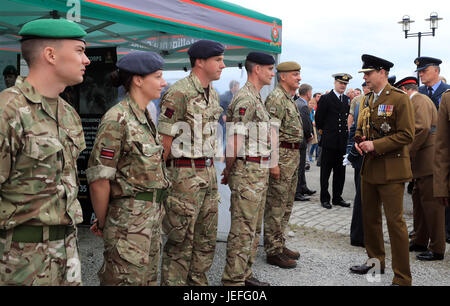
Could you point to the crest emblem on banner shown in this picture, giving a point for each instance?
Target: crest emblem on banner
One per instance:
(275, 33)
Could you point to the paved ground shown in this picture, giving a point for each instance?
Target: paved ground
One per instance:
(338, 219)
(322, 237)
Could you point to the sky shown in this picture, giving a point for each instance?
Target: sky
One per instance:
(327, 37)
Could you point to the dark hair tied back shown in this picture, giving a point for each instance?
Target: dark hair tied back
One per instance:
(121, 78)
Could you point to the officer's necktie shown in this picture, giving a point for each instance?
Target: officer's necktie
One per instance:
(430, 91)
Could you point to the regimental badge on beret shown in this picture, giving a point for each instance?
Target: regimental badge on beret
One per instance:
(107, 153)
(169, 113)
(417, 62)
(242, 111)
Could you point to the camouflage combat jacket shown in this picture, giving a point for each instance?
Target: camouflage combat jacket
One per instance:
(128, 152)
(250, 119)
(38, 159)
(282, 109)
(186, 104)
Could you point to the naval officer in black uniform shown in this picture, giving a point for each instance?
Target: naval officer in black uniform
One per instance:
(331, 121)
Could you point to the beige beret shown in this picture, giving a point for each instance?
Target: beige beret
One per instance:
(288, 66)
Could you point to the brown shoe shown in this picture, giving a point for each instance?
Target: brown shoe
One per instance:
(281, 261)
(291, 254)
(254, 282)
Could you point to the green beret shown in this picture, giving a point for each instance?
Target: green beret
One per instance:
(52, 28)
(288, 66)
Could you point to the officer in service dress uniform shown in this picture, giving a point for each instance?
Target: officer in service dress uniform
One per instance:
(441, 173)
(331, 119)
(127, 176)
(429, 214)
(428, 69)
(385, 129)
(41, 138)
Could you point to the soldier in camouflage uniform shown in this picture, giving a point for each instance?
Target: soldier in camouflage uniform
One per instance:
(40, 140)
(127, 176)
(247, 173)
(192, 206)
(281, 192)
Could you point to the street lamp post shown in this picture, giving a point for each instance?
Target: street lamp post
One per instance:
(406, 21)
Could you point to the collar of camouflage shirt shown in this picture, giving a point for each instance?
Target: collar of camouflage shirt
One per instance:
(140, 114)
(32, 95)
(198, 85)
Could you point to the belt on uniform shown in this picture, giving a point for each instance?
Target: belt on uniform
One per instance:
(288, 145)
(187, 162)
(257, 159)
(161, 195)
(34, 234)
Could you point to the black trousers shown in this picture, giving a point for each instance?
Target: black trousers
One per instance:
(356, 228)
(301, 183)
(447, 222)
(332, 160)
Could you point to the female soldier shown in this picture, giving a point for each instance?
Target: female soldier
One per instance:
(127, 176)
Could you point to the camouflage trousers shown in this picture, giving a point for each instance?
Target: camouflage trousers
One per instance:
(279, 202)
(50, 263)
(132, 238)
(191, 226)
(248, 183)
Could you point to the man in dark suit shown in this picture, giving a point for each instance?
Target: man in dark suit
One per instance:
(305, 93)
(331, 119)
(433, 87)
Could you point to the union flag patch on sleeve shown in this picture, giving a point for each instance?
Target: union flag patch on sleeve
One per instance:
(107, 153)
(169, 113)
(242, 111)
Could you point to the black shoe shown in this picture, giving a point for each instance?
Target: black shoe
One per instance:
(309, 192)
(301, 198)
(363, 269)
(447, 240)
(342, 203)
(307, 166)
(430, 256)
(411, 234)
(326, 205)
(357, 244)
(417, 248)
(254, 282)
